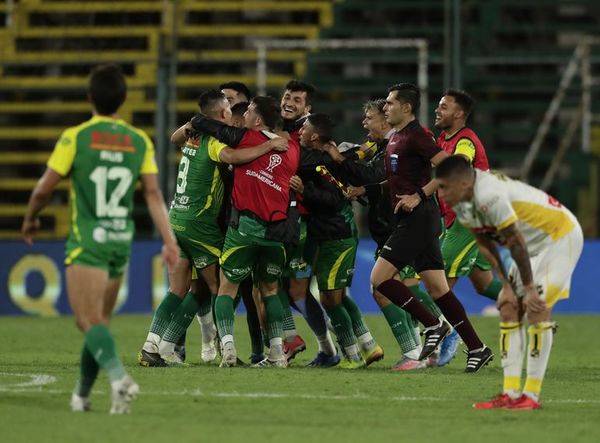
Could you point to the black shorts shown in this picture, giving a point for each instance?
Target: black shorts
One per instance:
(415, 239)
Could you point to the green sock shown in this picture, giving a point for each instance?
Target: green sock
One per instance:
(101, 345)
(358, 324)
(164, 313)
(342, 325)
(289, 326)
(88, 372)
(256, 337)
(181, 319)
(224, 313)
(274, 316)
(493, 290)
(205, 305)
(425, 299)
(213, 301)
(401, 326)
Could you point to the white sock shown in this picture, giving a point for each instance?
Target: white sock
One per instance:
(540, 345)
(207, 327)
(166, 348)
(353, 352)
(289, 334)
(512, 347)
(417, 335)
(275, 348)
(326, 344)
(366, 341)
(226, 339)
(414, 354)
(152, 341)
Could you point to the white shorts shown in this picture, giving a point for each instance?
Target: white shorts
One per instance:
(552, 269)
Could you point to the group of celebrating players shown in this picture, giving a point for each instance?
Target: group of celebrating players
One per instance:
(263, 203)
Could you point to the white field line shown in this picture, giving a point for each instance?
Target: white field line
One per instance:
(31, 388)
(35, 380)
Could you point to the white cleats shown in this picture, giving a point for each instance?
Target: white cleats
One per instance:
(123, 392)
(80, 404)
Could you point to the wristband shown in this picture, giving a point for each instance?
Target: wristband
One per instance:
(421, 194)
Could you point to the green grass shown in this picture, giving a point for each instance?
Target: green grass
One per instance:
(205, 403)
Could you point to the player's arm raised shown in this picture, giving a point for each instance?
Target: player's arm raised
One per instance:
(241, 156)
(40, 197)
(179, 137)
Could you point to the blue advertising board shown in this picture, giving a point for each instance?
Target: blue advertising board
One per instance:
(32, 281)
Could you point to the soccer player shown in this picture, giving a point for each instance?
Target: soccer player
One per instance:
(236, 92)
(367, 176)
(104, 157)
(237, 114)
(296, 104)
(545, 241)
(194, 218)
(259, 224)
(459, 249)
(331, 226)
(415, 240)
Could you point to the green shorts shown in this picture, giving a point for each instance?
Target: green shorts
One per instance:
(461, 253)
(110, 256)
(200, 240)
(246, 254)
(334, 265)
(300, 257)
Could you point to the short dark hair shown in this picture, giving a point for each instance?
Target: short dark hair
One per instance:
(209, 100)
(239, 87)
(323, 125)
(452, 166)
(463, 99)
(268, 108)
(239, 109)
(298, 85)
(408, 93)
(375, 105)
(107, 88)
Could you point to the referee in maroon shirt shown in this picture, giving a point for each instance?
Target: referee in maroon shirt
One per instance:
(410, 154)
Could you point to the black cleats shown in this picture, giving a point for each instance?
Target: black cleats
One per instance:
(433, 337)
(478, 359)
(150, 359)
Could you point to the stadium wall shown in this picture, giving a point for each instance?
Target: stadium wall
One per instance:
(32, 281)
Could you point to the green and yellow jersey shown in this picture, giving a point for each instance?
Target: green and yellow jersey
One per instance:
(199, 191)
(104, 157)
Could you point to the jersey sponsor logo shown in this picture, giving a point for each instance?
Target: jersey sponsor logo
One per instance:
(274, 161)
(189, 150)
(111, 141)
(99, 235)
(201, 262)
(273, 269)
(240, 271)
(264, 177)
(554, 202)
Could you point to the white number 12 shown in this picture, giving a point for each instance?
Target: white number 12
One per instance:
(100, 177)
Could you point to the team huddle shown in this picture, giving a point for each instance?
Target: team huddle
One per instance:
(263, 204)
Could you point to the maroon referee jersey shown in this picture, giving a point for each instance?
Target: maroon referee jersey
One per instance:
(408, 160)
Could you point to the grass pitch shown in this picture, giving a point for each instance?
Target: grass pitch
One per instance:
(39, 366)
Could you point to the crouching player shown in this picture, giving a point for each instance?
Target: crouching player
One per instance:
(545, 242)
